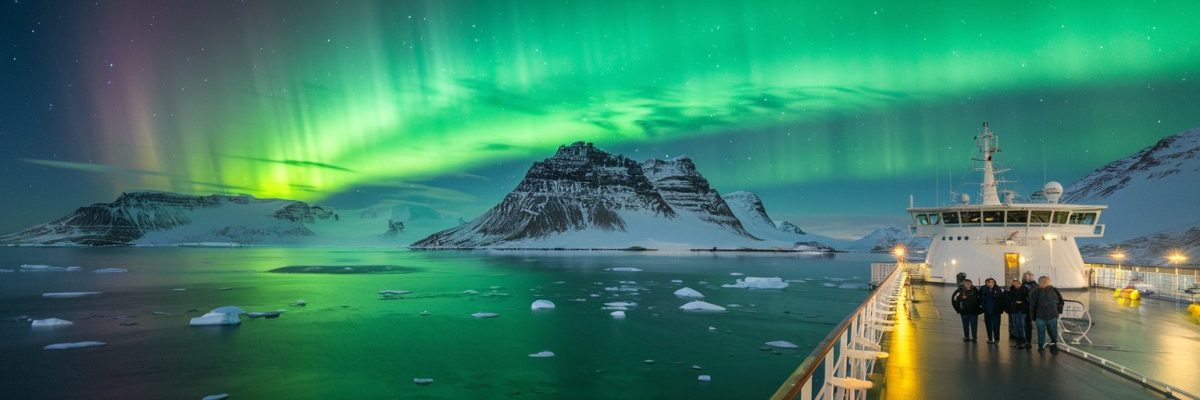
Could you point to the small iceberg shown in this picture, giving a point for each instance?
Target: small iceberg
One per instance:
(782, 344)
(753, 282)
(704, 378)
(542, 354)
(623, 269)
(542, 305)
(617, 314)
(221, 396)
(227, 315)
(67, 295)
(46, 268)
(620, 304)
(688, 292)
(50, 323)
(677, 281)
(736, 274)
(423, 381)
(111, 271)
(698, 305)
(73, 345)
(485, 315)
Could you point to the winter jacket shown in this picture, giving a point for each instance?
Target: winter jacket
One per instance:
(1045, 303)
(991, 300)
(1017, 300)
(967, 301)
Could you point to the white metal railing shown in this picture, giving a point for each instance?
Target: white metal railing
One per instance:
(1146, 380)
(1170, 283)
(842, 361)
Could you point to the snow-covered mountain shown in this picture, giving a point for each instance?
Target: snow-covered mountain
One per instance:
(584, 197)
(162, 218)
(884, 240)
(1150, 196)
(748, 208)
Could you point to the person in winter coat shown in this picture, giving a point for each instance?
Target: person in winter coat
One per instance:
(966, 302)
(1029, 283)
(991, 298)
(1017, 302)
(1045, 305)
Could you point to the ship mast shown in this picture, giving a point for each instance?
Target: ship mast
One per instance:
(988, 145)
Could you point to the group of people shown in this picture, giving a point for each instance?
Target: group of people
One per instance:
(1027, 302)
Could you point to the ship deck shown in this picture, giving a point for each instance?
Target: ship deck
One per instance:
(929, 359)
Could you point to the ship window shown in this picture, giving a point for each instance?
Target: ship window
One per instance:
(1039, 217)
(923, 219)
(971, 217)
(950, 217)
(1083, 218)
(993, 217)
(1018, 217)
(933, 219)
(1060, 217)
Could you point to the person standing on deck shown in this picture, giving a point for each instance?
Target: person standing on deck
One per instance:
(1045, 304)
(967, 304)
(1029, 285)
(992, 301)
(1017, 303)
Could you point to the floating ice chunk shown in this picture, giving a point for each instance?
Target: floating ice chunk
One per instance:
(212, 319)
(65, 295)
(542, 305)
(712, 328)
(837, 279)
(299, 303)
(698, 305)
(609, 308)
(50, 323)
(623, 269)
(423, 381)
(228, 310)
(578, 300)
(46, 268)
(734, 305)
(73, 345)
(393, 292)
(617, 314)
(704, 378)
(782, 344)
(6, 271)
(753, 282)
(621, 304)
(221, 396)
(688, 292)
(736, 274)
(593, 295)
(794, 280)
(542, 354)
(852, 286)
(265, 314)
(468, 291)
(696, 367)
(424, 313)
(110, 270)
(827, 284)
(677, 281)
(485, 315)
(648, 361)
(210, 244)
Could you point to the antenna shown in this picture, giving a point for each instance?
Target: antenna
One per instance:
(1043, 156)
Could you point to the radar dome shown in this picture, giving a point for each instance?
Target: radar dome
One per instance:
(1053, 190)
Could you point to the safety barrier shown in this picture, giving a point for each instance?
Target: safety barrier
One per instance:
(840, 365)
(1145, 380)
(1169, 283)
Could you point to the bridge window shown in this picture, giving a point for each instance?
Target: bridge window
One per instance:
(950, 218)
(993, 217)
(933, 219)
(922, 219)
(1039, 217)
(1083, 218)
(1060, 217)
(1018, 217)
(971, 217)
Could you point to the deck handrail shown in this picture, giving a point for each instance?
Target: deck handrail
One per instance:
(802, 377)
(1143, 379)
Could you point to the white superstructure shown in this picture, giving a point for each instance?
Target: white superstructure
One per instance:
(1002, 240)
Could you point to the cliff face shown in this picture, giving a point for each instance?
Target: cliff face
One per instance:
(685, 190)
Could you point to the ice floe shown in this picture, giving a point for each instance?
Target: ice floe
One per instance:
(265, 314)
(469, 291)
(623, 269)
(542, 354)
(227, 315)
(704, 378)
(852, 286)
(50, 323)
(110, 271)
(47, 268)
(66, 295)
(393, 292)
(698, 305)
(688, 292)
(617, 314)
(736, 274)
(677, 281)
(754, 282)
(621, 304)
(73, 345)
(423, 381)
(485, 315)
(542, 305)
(782, 344)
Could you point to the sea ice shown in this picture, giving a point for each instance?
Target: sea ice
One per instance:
(50, 323)
(394, 292)
(542, 305)
(736, 274)
(827, 284)
(6, 271)
(73, 345)
(617, 314)
(753, 282)
(468, 291)
(110, 270)
(423, 381)
(227, 315)
(265, 314)
(542, 354)
(698, 305)
(704, 378)
(624, 269)
(688, 292)
(782, 344)
(228, 310)
(677, 281)
(621, 304)
(65, 295)
(485, 315)
(221, 396)
(852, 286)
(46, 268)
(615, 308)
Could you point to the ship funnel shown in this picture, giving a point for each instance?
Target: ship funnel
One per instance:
(1053, 191)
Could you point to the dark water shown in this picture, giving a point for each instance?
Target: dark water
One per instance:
(349, 343)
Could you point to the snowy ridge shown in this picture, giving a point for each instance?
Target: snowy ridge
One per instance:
(883, 240)
(749, 208)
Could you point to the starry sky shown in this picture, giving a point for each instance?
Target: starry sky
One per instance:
(833, 112)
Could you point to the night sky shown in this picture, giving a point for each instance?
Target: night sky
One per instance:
(833, 113)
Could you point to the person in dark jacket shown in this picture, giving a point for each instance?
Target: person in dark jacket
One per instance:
(1045, 304)
(966, 302)
(1029, 283)
(991, 298)
(1017, 303)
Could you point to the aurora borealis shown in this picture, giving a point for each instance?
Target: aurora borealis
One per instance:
(447, 102)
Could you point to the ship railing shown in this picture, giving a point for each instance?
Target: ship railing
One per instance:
(840, 364)
(1154, 384)
(1167, 283)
